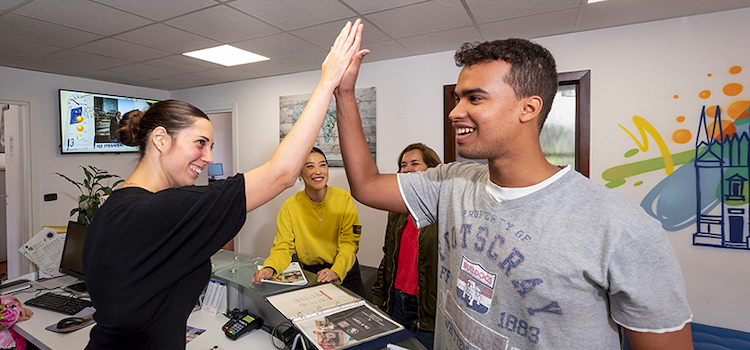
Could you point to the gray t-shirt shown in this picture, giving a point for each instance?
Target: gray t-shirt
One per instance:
(554, 269)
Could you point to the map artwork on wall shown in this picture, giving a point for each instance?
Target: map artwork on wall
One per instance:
(290, 108)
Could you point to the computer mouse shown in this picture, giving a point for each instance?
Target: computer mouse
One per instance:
(69, 322)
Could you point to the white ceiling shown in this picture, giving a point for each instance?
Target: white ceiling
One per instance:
(139, 42)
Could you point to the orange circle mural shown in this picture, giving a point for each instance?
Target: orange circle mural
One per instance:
(680, 119)
(739, 110)
(704, 94)
(732, 89)
(735, 70)
(682, 136)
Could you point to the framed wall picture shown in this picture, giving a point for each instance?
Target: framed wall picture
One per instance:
(291, 107)
(565, 137)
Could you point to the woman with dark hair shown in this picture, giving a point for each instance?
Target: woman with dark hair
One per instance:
(406, 286)
(147, 253)
(321, 225)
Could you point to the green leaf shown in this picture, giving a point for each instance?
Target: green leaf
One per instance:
(92, 189)
(71, 181)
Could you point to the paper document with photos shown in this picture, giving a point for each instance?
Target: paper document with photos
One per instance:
(292, 275)
(44, 250)
(331, 318)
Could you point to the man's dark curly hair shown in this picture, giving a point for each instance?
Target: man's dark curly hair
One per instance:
(532, 68)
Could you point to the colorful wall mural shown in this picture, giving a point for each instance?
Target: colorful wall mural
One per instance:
(705, 187)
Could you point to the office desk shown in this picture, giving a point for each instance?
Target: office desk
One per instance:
(238, 272)
(34, 330)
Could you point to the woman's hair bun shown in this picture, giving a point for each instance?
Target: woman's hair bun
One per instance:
(128, 133)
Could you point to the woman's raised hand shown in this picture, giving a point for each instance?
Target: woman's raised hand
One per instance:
(347, 45)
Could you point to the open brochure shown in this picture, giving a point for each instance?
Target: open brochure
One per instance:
(292, 275)
(330, 318)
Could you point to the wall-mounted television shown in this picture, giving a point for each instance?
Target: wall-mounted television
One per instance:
(88, 121)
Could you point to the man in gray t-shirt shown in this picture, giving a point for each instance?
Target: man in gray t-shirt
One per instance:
(557, 268)
(532, 255)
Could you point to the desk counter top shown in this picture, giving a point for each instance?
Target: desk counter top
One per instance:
(34, 330)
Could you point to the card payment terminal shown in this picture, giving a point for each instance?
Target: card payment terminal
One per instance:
(240, 323)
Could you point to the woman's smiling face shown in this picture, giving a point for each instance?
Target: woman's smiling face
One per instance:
(315, 171)
(189, 154)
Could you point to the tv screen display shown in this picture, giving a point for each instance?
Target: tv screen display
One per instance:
(88, 121)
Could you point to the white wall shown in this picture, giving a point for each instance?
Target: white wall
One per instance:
(635, 70)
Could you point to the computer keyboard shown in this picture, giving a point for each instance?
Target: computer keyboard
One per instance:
(13, 286)
(59, 303)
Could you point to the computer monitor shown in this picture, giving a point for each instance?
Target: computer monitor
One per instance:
(72, 254)
(215, 169)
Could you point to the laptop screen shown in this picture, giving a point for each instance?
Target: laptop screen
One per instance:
(72, 254)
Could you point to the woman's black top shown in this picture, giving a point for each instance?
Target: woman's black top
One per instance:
(147, 259)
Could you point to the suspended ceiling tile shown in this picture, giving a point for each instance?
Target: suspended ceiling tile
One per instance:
(293, 14)
(86, 59)
(83, 15)
(163, 37)
(182, 64)
(224, 24)
(122, 50)
(267, 68)
(226, 74)
(306, 62)
(278, 45)
(607, 14)
(115, 77)
(449, 40)
(9, 4)
(10, 59)
(421, 18)
(159, 10)
(26, 47)
(530, 27)
(388, 49)
(709, 6)
(323, 35)
(493, 10)
(144, 70)
(26, 28)
(181, 82)
(53, 67)
(368, 6)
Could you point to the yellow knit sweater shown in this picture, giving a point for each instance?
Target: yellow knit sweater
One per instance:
(325, 232)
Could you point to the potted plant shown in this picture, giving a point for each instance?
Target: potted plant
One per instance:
(93, 191)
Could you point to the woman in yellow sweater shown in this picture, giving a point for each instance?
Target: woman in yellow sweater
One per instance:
(321, 225)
